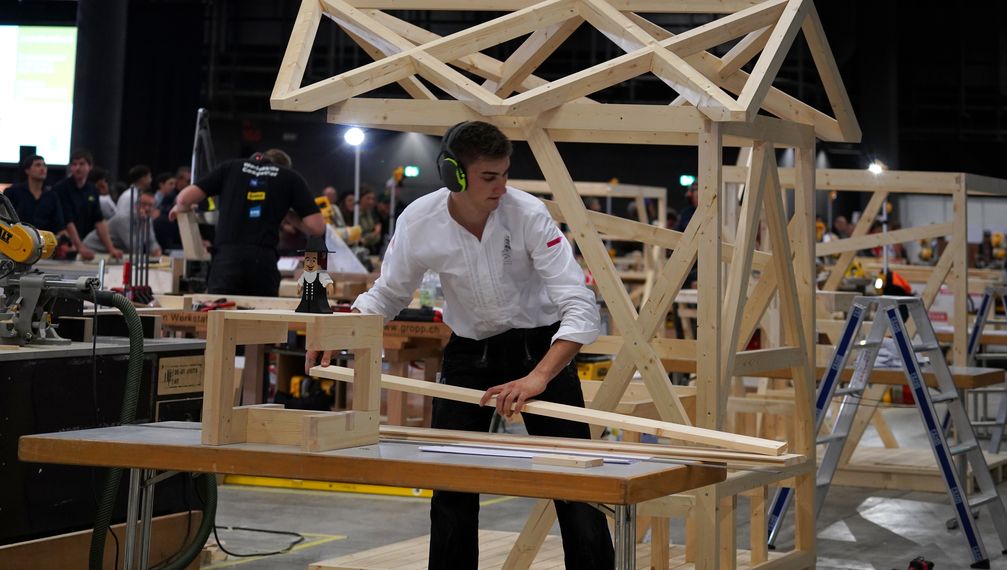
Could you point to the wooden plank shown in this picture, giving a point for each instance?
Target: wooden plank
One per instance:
(728, 533)
(561, 445)
(710, 287)
(828, 73)
(768, 65)
(580, 84)
(771, 129)
(861, 180)
(578, 461)
(192, 242)
(295, 58)
(891, 237)
(752, 362)
(529, 55)
(532, 536)
(722, 30)
(573, 413)
(758, 528)
(740, 269)
(219, 368)
(413, 86)
(960, 282)
(339, 430)
(744, 51)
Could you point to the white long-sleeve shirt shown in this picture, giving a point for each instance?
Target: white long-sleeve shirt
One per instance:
(522, 274)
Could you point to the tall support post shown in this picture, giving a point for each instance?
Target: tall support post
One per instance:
(960, 283)
(803, 241)
(709, 335)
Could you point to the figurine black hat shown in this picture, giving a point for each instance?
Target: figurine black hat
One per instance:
(315, 244)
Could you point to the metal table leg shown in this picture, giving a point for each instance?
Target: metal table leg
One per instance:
(146, 513)
(625, 537)
(132, 506)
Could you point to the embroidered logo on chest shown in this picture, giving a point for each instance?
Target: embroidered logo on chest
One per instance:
(507, 259)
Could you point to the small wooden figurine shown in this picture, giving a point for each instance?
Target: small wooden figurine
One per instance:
(314, 282)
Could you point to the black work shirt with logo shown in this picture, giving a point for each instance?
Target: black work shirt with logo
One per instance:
(80, 204)
(254, 196)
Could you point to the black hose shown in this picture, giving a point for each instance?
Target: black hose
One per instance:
(131, 395)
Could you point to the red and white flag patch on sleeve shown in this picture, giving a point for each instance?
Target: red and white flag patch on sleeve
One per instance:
(554, 241)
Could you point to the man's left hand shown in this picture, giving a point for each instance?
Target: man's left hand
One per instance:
(512, 395)
(115, 253)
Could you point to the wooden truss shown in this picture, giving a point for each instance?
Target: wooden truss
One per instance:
(712, 103)
(951, 268)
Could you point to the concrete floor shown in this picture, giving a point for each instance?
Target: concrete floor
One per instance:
(858, 529)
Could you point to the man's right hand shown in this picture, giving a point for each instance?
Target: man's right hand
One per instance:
(85, 253)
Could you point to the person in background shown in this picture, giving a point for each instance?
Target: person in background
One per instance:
(140, 180)
(345, 206)
(183, 177)
(164, 191)
(841, 227)
(99, 177)
(81, 207)
(34, 202)
(120, 224)
(255, 195)
(370, 227)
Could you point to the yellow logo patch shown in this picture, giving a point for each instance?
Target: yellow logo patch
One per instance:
(256, 196)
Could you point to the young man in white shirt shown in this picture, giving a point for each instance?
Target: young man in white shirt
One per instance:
(516, 300)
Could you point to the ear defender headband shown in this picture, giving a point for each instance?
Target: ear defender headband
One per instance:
(451, 169)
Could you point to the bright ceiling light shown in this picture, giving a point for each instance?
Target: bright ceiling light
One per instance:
(354, 136)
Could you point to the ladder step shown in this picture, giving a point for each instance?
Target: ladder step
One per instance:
(865, 344)
(926, 347)
(831, 437)
(985, 423)
(944, 397)
(849, 390)
(985, 498)
(963, 447)
(996, 321)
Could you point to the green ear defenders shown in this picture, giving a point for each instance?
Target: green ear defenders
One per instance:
(451, 169)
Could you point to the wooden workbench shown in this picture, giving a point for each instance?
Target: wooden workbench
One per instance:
(176, 446)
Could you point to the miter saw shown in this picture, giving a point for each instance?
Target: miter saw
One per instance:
(28, 294)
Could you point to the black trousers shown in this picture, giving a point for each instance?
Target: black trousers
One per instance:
(244, 270)
(454, 517)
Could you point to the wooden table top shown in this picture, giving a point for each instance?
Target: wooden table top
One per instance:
(176, 446)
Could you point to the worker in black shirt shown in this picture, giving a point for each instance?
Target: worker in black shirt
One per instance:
(255, 195)
(34, 202)
(81, 206)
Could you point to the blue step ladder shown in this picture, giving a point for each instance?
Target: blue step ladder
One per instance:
(888, 318)
(983, 318)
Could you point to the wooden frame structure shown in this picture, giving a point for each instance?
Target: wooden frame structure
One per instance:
(639, 194)
(224, 422)
(714, 103)
(951, 268)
